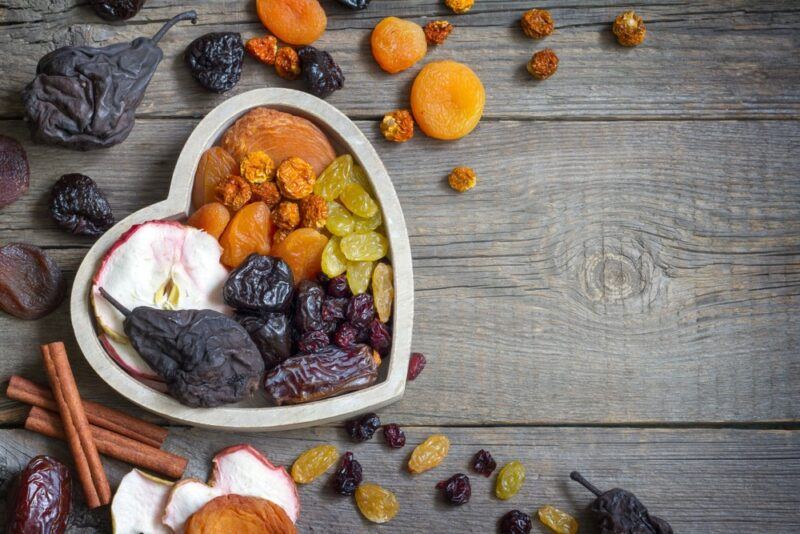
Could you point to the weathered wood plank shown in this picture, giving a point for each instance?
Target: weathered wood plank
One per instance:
(704, 59)
(748, 480)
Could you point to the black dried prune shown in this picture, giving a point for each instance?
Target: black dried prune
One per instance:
(261, 284)
(271, 335)
(320, 72)
(117, 9)
(394, 436)
(215, 60)
(349, 475)
(364, 427)
(14, 170)
(457, 489)
(355, 4)
(516, 522)
(78, 205)
(338, 287)
(483, 462)
(361, 310)
(379, 337)
(308, 307)
(313, 341)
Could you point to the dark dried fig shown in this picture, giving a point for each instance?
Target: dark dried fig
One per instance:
(78, 205)
(31, 283)
(14, 171)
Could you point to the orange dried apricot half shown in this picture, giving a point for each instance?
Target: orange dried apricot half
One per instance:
(249, 231)
(297, 22)
(215, 165)
(213, 218)
(447, 99)
(397, 44)
(302, 251)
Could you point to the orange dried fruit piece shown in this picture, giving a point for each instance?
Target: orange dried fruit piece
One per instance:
(297, 22)
(241, 514)
(212, 218)
(257, 167)
(234, 192)
(263, 49)
(447, 100)
(397, 44)
(249, 232)
(302, 251)
(296, 178)
(281, 135)
(287, 216)
(287, 63)
(215, 165)
(267, 192)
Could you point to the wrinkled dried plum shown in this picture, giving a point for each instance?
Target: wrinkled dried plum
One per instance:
(348, 476)
(313, 341)
(14, 171)
(320, 72)
(361, 310)
(78, 205)
(117, 9)
(394, 436)
(215, 60)
(271, 334)
(261, 284)
(355, 4)
(379, 337)
(338, 287)
(31, 283)
(457, 489)
(308, 307)
(364, 427)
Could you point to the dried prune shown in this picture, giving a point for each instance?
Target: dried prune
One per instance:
(379, 337)
(361, 310)
(457, 489)
(516, 522)
(394, 436)
(308, 307)
(271, 334)
(363, 428)
(14, 170)
(41, 498)
(215, 60)
(415, 365)
(484, 463)
(320, 72)
(355, 4)
(31, 284)
(348, 476)
(117, 9)
(337, 286)
(261, 284)
(313, 341)
(78, 205)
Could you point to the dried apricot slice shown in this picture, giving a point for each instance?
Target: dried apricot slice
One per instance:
(213, 218)
(447, 99)
(250, 231)
(215, 165)
(302, 251)
(297, 22)
(397, 44)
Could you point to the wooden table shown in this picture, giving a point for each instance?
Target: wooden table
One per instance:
(619, 294)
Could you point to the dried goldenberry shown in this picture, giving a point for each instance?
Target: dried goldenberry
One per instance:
(398, 126)
(287, 63)
(334, 308)
(361, 310)
(363, 428)
(313, 341)
(338, 287)
(437, 31)
(462, 179)
(296, 178)
(629, 29)
(348, 476)
(14, 170)
(257, 167)
(78, 205)
(267, 193)
(394, 436)
(287, 215)
(234, 192)
(279, 235)
(320, 72)
(313, 212)
(215, 60)
(459, 6)
(543, 64)
(516, 522)
(537, 23)
(457, 489)
(346, 336)
(415, 365)
(263, 49)
(483, 463)
(116, 10)
(380, 339)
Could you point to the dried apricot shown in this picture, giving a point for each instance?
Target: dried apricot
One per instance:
(375, 503)
(447, 99)
(302, 250)
(397, 44)
(234, 192)
(257, 167)
(297, 22)
(249, 231)
(313, 463)
(213, 218)
(429, 453)
(287, 63)
(215, 165)
(296, 178)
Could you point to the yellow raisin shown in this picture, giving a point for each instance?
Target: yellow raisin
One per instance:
(509, 480)
(557, 521)
(382, 291)
(377, 504)
(313, 463)
(429, 453)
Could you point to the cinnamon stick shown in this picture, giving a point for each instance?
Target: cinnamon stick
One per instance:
(113, 445)
(23, 390)
(76, 426)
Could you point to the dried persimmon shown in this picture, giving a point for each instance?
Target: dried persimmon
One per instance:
(397, 44)
(215, 165)
(297, 22)
(250, 231)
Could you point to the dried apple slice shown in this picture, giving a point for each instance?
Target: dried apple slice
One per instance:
(138, 504)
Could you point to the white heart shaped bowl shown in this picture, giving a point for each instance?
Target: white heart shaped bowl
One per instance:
(346, 138)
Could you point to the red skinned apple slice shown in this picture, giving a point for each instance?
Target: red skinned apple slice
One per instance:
(126, 357)
(138, 504)
(238, 470)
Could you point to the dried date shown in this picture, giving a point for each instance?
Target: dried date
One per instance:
(271, 334)
(79, 206)
(31, 283)
(262, 284)
(41, 498)
(308, 307)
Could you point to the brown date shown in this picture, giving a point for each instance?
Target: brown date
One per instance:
(40, 501)
(325, 373)
(31, 284)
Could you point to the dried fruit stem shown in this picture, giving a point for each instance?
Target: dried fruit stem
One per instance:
(114, 302)
(188, 15)
(577, 477)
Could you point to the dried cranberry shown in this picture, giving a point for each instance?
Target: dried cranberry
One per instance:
(334, 308)
(347, 478)
(361, 310)
(346, 336)
(394, 436)
(457, 489)
(515, 522)
(363, 428)
(313, 341)
(416, 365)
(379, 337)
(483, 463)
(338, 287)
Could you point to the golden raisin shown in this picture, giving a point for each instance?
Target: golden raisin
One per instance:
(234, 192)
(436, 31)
(398, 126)
(313, 211)
(459, 6)
(280, 235)
(462, 179)
(629, 29)
(263, 49)
(287, 215)
(537, 23)
(266, 192)
(377, 504)
(429, 453)
(543, 64)
(296, 178)
(314, 462)
(287, 63)
(257, 167)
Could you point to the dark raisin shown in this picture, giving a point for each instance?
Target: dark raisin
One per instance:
(362, 428)
(261, 284)
(313, 341)
(338, 287)
(457, 489)
(361, 310)
(346, 336)
(347, 478)
(271, 334)
(31, 284)
(415, 365)
(394, 436)
(308, 307)
(379, 337)
(334, 309)
(117, 9)
(320, 72)
(215, 60)
(14, 171)
(323, 279)
(483, 463)
(515, 522)
(78, 205)
(355, 4)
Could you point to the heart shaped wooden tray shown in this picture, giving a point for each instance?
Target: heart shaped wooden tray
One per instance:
(257, 415)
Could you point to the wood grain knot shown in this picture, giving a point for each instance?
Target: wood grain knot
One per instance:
(623, 270)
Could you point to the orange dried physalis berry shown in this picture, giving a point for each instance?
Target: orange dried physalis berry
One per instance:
(537, 23)
(462, 179)
(263, 49)
(280, 235)
(543, 64)
(629, 29)
(296, 178)
(397, 44)
(257, 167)
(234, 192)
(287, 63)
(266, 192)
(436, 31)
(313, 211)
(398, 126)
(287, 216)
(459, 6)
